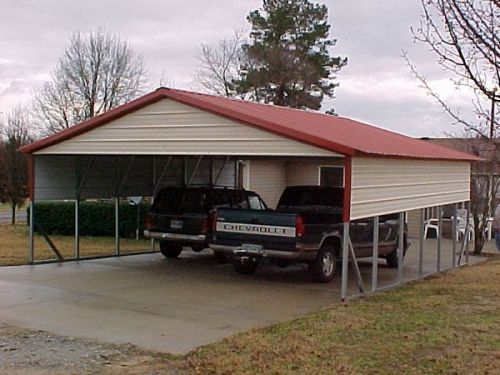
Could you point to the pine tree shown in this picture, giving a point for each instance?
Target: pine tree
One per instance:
(287, 61)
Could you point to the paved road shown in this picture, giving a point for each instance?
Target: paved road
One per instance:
(5, 217)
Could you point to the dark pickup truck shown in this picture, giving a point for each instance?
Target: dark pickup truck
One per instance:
(181, 216)
(305, 227)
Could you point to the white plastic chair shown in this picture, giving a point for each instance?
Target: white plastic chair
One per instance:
(462, 227)
(431, 224)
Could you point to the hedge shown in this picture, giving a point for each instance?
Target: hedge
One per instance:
(95, 218)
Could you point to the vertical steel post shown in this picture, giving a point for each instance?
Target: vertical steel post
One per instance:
(454, 236)
(117, 226)
(376, 224)
(76, 245)
(439, 237)
(467, 233)
(31, 252)
(401, 246)
(345, 262)
(236, 174)
(421, 243)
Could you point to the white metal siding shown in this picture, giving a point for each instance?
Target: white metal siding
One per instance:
(384, 185)
(268, 179)
(307, 172)
(171, 128)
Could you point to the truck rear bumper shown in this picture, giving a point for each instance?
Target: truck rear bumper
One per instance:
(200, 238)
(299, 254)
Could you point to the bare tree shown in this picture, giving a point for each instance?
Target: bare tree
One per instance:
(464, 35)
(219, 66)
(13, 170)
(97, 72)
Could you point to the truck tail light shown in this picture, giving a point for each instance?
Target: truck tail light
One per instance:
(300, 226)
(149, 222)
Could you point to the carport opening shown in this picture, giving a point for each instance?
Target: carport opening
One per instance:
(91, 206)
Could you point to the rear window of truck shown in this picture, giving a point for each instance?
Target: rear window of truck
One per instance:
(313, 198)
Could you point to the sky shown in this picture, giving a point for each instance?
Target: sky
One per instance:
(375, 87)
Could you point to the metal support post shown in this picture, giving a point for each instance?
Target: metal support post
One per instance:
(162, 174)
(345, 260)
(117, 226)
(467, 232)
(421, 243)
(195, 169)
(236, 174)
(376, 224)
(76, 245)
(212, 162)
(439, 237)
(354, 261)
(221, 169)
(454, 236)
(31, 253)
(401, 246)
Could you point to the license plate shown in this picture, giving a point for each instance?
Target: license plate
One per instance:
(251, 248)
(176, 224)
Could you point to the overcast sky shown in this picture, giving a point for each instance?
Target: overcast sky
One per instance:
(375, 87)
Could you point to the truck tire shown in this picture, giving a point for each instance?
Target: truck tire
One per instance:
(245, 267)
(219, 256)
(170, 250)
(392, 259)
(323, 267)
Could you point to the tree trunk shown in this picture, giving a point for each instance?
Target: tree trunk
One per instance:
(478, 242)
(13, 219)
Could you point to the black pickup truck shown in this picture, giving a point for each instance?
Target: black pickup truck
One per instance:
(181, 216)
(305, 227)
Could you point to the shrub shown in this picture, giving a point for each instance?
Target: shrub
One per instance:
(95, 218)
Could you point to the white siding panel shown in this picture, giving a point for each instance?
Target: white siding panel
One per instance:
(171, 128)
(268, 179)
(307, 172)
(382, 185)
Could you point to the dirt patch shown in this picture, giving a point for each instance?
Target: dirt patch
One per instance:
(25, 352)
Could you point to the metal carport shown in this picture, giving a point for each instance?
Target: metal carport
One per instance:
(179, 137)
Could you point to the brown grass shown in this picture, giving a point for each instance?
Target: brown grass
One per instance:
(14, 245)
(447, 325)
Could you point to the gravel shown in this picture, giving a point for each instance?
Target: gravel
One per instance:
(38, 353)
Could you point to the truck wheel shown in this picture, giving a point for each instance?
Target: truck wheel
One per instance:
(198, 248)
(323, 267)
(245, 267)
(219, 256)
(170, 250)
(392, 259)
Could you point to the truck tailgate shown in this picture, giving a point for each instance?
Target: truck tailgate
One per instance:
(269, 229)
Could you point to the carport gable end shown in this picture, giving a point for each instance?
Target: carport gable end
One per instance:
(175, 122)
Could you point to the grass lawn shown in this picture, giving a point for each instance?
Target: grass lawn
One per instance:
(14, 245)
(449, 324)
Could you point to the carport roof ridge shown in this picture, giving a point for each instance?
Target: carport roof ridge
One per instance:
(334, 133)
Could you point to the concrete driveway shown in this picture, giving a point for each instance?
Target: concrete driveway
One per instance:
(165, 305)
(172, 306)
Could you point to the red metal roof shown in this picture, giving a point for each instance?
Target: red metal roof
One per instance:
(337, 134)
